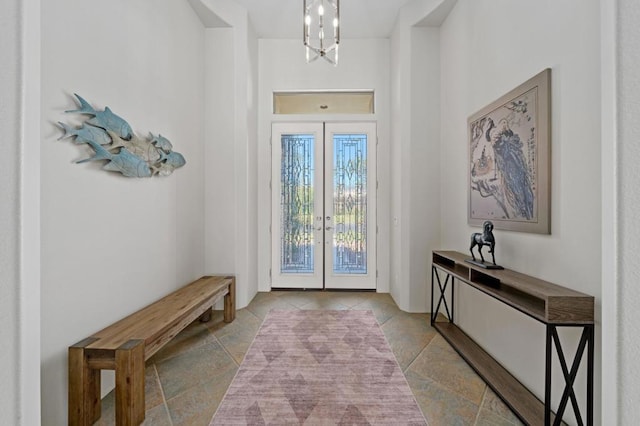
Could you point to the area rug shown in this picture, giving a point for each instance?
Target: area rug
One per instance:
(311, 367)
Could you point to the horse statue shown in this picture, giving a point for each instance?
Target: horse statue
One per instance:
(484, 239)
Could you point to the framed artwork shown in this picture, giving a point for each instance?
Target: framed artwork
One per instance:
(509, 159)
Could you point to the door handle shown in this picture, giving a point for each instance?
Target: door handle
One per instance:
(328, 228)
(319, 228)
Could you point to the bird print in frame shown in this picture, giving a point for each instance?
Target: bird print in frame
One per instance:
(509, 153)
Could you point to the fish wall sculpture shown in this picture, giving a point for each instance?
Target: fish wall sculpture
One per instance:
(112, 139)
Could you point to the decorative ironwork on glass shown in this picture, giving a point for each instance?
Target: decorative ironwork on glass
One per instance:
(296, 204)
(350, 204)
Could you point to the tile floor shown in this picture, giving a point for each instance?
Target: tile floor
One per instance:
(187, 379)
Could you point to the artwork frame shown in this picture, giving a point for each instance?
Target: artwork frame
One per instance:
(509, 176)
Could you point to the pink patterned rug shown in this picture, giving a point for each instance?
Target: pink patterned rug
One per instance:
(319, 368)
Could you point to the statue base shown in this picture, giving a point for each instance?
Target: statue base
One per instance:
(484, 265)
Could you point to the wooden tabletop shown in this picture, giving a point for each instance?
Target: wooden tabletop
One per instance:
(543, 300)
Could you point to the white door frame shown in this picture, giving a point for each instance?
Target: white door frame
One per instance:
(321, 232)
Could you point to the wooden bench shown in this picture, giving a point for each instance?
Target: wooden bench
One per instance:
(127, 344)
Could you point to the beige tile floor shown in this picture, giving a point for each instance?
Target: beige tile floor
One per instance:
(188, 378)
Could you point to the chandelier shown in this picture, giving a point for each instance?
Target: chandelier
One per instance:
(320, 41)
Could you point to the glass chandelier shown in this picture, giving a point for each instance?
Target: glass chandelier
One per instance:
(320, 41)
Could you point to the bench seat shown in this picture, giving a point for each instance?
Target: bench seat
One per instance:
(125, 346)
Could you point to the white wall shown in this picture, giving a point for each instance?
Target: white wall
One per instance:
(253, 113)
(424, 166)
(364, 64)
(19, 214)
(246, 163)
(488, 48)
(220, 193)
(10, 82)
(627, 292)
(414, 155)
(231, 83)
(111, 245)
(415, 150)
(610, 195)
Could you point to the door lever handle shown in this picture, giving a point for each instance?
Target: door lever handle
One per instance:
(319, 228)
(328, 228)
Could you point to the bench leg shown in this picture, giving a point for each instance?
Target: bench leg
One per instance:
(84, 387)
(130, 383)
(230, 302)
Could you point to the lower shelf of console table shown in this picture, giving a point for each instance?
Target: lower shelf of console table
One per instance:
(519, 399)
(553, 305)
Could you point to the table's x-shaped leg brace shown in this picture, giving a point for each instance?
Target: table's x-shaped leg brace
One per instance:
(442, 299)
(586, 341)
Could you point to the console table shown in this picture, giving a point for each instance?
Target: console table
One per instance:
(548, 303)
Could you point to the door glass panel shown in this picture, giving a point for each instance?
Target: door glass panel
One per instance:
(350, 203)
(297, 204)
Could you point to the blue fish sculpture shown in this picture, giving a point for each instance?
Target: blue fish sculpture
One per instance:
(113, 140)
(105, 119)
(173, 159)
(161, 142)
(139, 147)
(124, 161)
(84, 134)
(168, 163)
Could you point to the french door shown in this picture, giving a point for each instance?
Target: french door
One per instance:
(323, 187)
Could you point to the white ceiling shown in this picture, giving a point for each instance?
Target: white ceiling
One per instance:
(360, 18)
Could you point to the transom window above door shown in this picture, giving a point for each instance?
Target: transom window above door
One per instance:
(324, 102)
